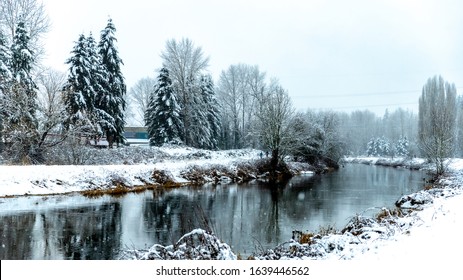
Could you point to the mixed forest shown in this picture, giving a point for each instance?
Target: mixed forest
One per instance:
(45, 113)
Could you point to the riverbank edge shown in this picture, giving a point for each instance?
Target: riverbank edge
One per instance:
(120, 179)
(198, 175)
(395, 162)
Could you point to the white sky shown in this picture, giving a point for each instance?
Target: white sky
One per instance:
(337, 54)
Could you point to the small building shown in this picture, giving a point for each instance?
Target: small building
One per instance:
(136, 135)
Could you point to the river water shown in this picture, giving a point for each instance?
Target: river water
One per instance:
(249, 217)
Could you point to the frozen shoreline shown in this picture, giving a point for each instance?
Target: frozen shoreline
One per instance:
(62, 179)
(411, 163)
(168, 166)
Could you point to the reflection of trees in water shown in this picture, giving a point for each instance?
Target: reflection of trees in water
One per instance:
(273, 216)
(83, 233)
(16, 234)
(302, 197)
(172, 214)
(91, 233)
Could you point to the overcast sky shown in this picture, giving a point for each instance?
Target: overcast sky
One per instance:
(341, 55)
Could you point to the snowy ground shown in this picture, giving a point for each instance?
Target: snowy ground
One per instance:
(46, 179)
(435, 236)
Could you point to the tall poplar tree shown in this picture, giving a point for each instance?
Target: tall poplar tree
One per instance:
(436, 121)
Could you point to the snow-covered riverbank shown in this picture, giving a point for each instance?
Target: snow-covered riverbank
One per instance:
(172, 161)
(412, 163)
(175, 164)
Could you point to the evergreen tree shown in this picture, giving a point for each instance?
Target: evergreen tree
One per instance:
(199, 133)
(372, 147)
(384, 147)
(5, 58)
(85, 90)
(102, 120)
(5, 77)
(211, 110)
(185, 63)
(19, 103)
(79, 92)
(402, 147)
(112, 101)
(162, 116)
(379, 147)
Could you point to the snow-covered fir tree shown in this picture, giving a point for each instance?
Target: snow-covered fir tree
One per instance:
(5, 76)
(85, 88)
(112, 100)
(371, 147)
(186, 63)
(79, 94)
(402, 147)
(198, 132)
(5, 59)
(379, 147)
(162, 116)
(384, 146)
(211, 110)
(19, 103)
(100, 117)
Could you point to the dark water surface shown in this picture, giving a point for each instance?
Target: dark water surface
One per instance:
(247, 216)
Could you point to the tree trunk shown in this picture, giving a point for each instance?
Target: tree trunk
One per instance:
(274, 165)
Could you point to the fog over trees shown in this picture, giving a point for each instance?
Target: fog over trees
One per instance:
(180, 102)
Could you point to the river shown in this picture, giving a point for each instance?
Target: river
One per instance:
(249, 217)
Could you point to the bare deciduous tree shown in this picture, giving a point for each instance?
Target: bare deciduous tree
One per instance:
(51, 106)
(231, 92)
(33, 13)
(274, 123)
(238, 89)
(138, 97)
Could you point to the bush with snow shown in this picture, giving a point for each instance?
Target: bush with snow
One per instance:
(195, 245)
(415, 200)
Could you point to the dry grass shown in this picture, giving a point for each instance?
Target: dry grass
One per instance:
(118, 190)
(389, 215)
(303, 237)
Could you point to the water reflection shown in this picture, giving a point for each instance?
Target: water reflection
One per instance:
(249, 217)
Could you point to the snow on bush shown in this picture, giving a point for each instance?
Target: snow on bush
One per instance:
(195, 245)
(415, 200)
(359, 232)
